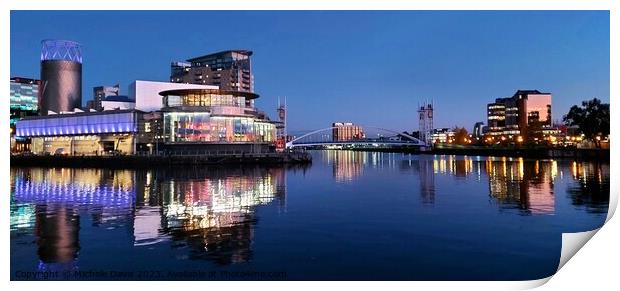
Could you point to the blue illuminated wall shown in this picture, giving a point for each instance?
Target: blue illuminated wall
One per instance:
(58, 125)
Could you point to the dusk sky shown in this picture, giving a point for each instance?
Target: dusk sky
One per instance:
(371, 68)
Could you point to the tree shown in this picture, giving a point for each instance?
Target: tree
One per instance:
(591, 119)
(461, 135)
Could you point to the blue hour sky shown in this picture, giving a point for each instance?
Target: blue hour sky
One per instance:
(367, 67)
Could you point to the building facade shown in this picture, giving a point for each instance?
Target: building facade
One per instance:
(346, 131)
(229, 70)
(100, 93)
(24, 101)
(442, 135)
(82, 133)
(61, 76)
(146, 96)
(513, 116)
(24, 98)
(197, 120)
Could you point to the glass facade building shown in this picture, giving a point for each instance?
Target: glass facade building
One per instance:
(513, 115)
(24, 98)
(216, 116)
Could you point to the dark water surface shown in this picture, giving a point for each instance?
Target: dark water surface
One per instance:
(350, 215)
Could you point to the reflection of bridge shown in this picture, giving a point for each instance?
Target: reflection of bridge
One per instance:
(319, 138)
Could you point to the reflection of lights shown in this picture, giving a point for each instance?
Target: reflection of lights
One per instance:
(22, 216)
(217, 203)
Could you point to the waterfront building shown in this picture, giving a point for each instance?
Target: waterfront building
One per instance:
(229, 70)
(442, 135)
(146, 96)
(24, 101)
(345, 131)
(82, 133)
(512, 116)
(24, 98)
(200, 120)
(100, 93)
(61, 76)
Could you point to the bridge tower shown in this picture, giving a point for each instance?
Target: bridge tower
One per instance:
(281, 135)
(425, 113)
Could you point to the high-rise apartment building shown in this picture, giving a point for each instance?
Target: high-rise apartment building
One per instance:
(345, 131)
(513, 115)
(229, 70)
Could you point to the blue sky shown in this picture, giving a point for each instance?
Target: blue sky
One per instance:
(368, 67)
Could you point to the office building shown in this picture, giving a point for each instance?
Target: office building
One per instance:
(24, 101)
(229, 70)
(61, 76)
(442, 135)
(513, 115)
(24, 98)
(100, 93)
(345, 131)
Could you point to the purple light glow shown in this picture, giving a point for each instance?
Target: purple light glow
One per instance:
(64, 125)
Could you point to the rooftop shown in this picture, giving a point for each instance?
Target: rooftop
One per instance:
(218, 54)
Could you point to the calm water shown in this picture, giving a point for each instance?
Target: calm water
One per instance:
(350, 215)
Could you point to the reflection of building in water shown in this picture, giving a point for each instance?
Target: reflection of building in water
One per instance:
(213, 212)
(427, 180)
(348, 165)
(57, 194)
(58, 238)
(455, 166)
(592, 188)
(527, 185)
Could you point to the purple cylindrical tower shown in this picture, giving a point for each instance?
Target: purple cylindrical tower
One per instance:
(61, 76)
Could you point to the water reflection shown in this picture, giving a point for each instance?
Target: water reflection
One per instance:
(50, 201)
(210, 212)
(592, 189)
(518, 184)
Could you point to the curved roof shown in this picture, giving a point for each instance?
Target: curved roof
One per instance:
(183, 92)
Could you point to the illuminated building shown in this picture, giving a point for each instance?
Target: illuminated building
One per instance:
(496, 118)
(229, 70)
(513, 115)
(146, 93)
(81, 133)
(212, 119)
(347, 131)
(61, 76)
(184, 117)
(442, 135)
(23, 102)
